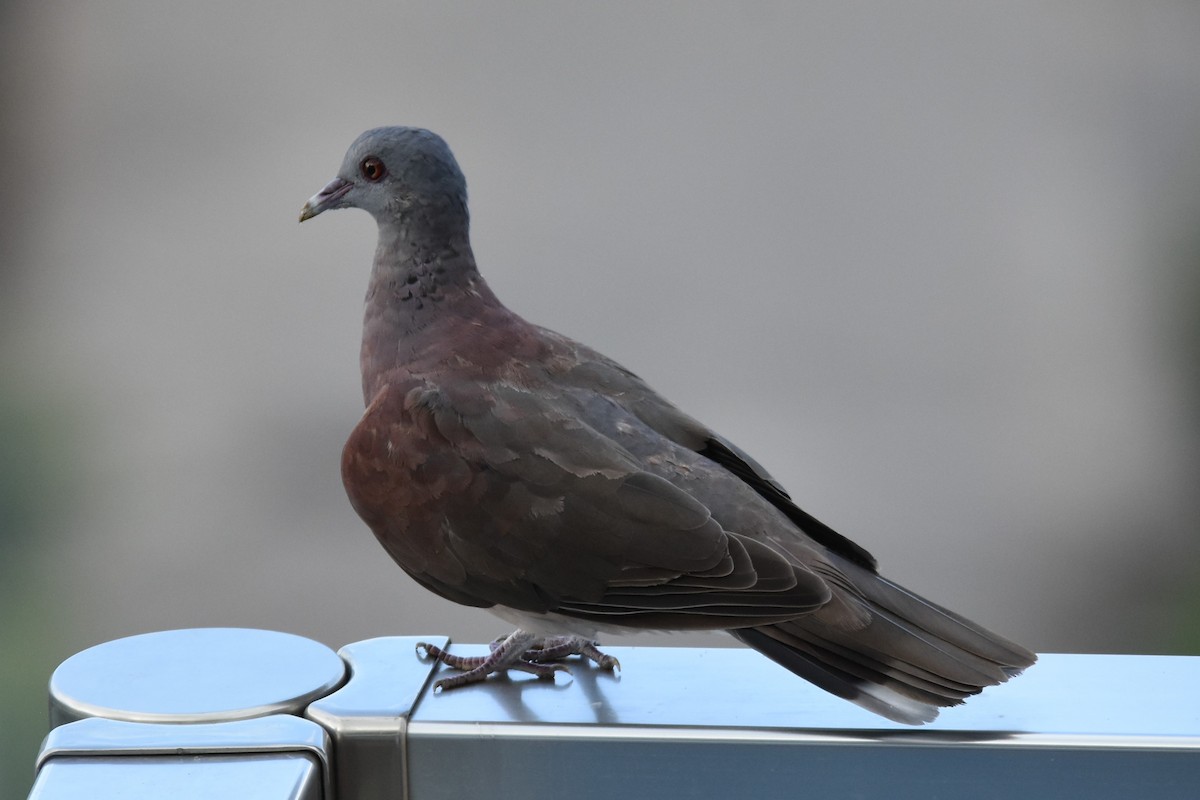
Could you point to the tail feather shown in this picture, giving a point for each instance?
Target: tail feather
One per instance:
(940, 621)
(912, 656)
(876, 663)
(872, 695)
(905, 645)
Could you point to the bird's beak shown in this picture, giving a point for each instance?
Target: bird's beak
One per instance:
(325, 199)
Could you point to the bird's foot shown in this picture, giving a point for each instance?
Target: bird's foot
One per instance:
(556, 648)
(520, 650)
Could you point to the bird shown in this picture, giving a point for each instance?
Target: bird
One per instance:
(508, 467)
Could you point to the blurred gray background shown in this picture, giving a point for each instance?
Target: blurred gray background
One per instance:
(935, 266)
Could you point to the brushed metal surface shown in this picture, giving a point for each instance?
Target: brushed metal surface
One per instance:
(279, 756)
(1063, 695)
(368, 717)
(674, 722)
(728, 723)
(288, 776)
(194, 675)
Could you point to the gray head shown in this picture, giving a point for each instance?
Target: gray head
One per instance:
(397, 174)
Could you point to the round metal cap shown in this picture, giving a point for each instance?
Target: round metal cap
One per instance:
(194, 675)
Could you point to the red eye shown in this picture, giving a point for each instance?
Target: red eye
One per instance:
(372, 169)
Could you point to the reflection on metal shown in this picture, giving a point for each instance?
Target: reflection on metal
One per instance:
(685, 722)
(368, 717)
(278, 757)
(195, 675)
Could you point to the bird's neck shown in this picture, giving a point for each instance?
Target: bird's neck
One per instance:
(422, 284)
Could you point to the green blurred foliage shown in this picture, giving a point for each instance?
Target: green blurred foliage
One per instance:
(37, 490)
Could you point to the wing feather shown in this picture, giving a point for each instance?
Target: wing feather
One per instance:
(504, 495)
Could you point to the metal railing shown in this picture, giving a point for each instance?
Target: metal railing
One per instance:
(258, 714)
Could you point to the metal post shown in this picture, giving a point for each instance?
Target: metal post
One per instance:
(675, 722)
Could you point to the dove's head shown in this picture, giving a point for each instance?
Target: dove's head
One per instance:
(394, 173)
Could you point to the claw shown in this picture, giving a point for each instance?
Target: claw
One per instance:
(563, 646)
(602, 660)
(521, 651)
(465, 663)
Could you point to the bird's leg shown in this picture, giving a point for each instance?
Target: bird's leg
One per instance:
(556, 648)
(505, 655)
(520, 650)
